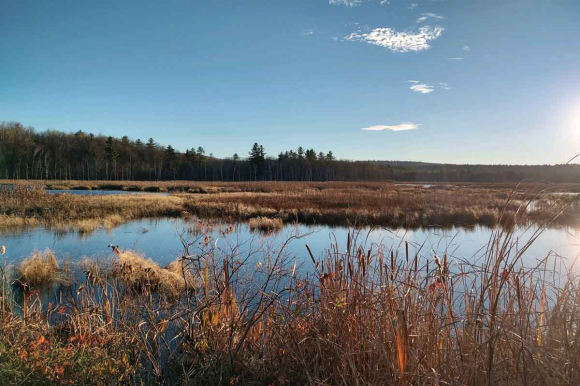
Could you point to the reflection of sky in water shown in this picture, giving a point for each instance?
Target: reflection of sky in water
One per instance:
(161, 241)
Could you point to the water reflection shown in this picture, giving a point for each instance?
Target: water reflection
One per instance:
(161, 240)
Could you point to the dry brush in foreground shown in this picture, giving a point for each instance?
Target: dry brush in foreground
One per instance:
(363, 314)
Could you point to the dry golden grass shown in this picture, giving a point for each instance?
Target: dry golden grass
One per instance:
(16, 222)
(141, 273)
(208, 187)
(26, 207)
(180, 268)
(265, 224)
(382, 205)
(38, 270)
(332, 203)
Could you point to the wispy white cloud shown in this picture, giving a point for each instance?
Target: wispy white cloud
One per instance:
(466, 48)
(400, 127)
(399, 41)
(423, 88)
(412, 6)
(347, 3)
(428, 15)
(458, 58)
(383, 2)
(307, 32)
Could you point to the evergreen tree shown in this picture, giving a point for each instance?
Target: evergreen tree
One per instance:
(170, 158)
(300, 153)
(257, 158)
(112, 154)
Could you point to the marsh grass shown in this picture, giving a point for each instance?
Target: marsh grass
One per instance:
(144, 274)
(30, 206)
(38, 270)
(265, 224)
(335, 204)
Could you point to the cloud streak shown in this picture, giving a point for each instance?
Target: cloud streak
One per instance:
(423, 88)
(400, 127)
(400, 42)
(347, 3)
(428, 15)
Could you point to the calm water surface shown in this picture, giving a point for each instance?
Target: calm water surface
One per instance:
(160, 240)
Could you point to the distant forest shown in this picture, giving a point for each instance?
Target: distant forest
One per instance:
(28, 154)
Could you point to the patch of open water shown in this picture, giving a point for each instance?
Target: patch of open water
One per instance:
(160, 240)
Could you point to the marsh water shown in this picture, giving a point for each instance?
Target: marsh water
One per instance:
(161, 240)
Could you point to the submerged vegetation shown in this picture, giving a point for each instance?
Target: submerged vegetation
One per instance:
(26, 204)
(234, 313)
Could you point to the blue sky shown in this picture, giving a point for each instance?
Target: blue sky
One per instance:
(495, 81)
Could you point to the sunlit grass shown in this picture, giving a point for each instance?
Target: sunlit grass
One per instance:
(139, 272)
(265, 224)
(38, 270)
(336, 203)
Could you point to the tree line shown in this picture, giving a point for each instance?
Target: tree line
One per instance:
(29, 154)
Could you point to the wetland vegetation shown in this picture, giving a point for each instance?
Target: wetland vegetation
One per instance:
(27, 204)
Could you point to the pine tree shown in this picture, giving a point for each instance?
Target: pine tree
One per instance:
(170, 158)
(257, 157)
(300, 153)
(111, 156)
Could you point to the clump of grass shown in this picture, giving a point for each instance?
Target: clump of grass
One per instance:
(38, 270)
(265, 224)
(141, 273)
(182, 269)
